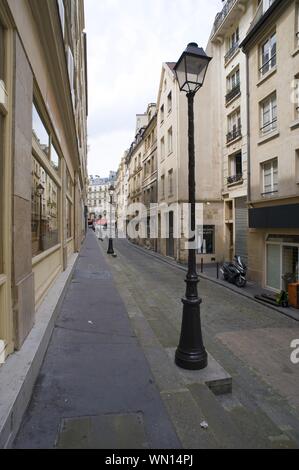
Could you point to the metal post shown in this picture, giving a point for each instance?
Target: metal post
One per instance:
(110, 244)
(191, 353)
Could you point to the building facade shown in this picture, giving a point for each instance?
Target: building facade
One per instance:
(43, 152)
(272, 51)
(121, 195)
(98, 197)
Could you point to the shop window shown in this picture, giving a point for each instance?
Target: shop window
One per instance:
(273, 267)
(55, 159)
(68, 219)
(44, 213)
(40, 132)
(206, 239)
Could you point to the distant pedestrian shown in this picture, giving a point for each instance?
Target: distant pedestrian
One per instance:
(98, 230)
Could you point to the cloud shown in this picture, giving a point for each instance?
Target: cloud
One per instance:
(127, 43)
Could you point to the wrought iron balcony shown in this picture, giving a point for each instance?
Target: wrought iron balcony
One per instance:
(223, 14)
(235, 179)
(231, 52)
(234, 134)
(233, 93)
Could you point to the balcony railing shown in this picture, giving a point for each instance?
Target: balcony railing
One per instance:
(231, 52)
(235, 179)
(268, 65)
(235, 91)
(269, 127)
(234, 134)
(223, 14)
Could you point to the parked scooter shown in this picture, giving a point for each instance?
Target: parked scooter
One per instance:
(235, 272)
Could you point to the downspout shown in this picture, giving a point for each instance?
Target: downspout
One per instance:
(248, 131)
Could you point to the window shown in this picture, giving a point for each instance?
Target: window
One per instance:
(206, 239)
(162, 114)
(70, 67)
(233, 85)
(40, 132)
(162, 149)
(68, 217)
(2, 100)
(44, 210)
(163, 186)
(236, 168)
(170, 182)
(169, 140)
(296, 96)
(2, 52)
(169, 102)
(232, 44)
(61, 14)
(54, 157)
(270, 177)
(268, 54)
(269, 114)
(234, 126)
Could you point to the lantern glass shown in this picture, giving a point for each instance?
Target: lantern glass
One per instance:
(191, 68)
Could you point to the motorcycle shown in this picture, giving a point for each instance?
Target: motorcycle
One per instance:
(235, 272)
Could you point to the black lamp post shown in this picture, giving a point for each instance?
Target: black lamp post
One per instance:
(110, 244)
(40, 192)
(190, 71)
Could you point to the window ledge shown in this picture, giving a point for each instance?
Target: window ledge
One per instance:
(266, 76)
(228, 103)
(236, 183)
(294, 124)
(37, 259)
(233, 141)
(270, 136)
(228, 61)
(296, 51)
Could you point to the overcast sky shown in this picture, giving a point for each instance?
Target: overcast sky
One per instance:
(128, 40)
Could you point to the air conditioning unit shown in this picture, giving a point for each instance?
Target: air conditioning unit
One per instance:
(3, 98)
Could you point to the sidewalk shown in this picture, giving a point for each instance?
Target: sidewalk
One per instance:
(95, 388)
(210, 273)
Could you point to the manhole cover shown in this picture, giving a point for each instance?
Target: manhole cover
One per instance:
(110, 431)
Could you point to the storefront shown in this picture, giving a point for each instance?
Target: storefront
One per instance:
(282, 260)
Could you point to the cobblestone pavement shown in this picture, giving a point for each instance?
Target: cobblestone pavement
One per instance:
(250, 341)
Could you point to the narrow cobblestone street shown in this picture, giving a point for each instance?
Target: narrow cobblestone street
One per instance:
(251, 342)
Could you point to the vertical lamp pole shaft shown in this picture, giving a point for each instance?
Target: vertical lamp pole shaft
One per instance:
(191, 353)
(40, 224)
(110, 245)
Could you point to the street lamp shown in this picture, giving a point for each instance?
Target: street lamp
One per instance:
(40, 192)
(110, 245)
(190, 72)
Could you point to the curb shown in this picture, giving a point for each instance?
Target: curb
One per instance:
(226, 285)
(18, 375)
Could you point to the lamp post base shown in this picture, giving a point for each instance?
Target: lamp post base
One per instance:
(191, 353)
(110, 247)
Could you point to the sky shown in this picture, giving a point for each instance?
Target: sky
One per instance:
(128, 40)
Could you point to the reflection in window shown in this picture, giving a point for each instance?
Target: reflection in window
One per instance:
(44, 218)
(1, 187)
(55, 160)
(39, 131)
(68, 218)
(1, 52)
(206, 239)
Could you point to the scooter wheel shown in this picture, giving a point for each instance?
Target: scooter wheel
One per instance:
(240, 282)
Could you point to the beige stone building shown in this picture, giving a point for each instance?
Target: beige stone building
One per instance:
(43, 151)
(172, 157)
(272, 50)
(98, 197)
(121, 194)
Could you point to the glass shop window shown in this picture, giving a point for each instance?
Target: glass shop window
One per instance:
(206, 239)
(40, 132)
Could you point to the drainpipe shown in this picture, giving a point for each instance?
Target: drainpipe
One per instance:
(248, 131)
